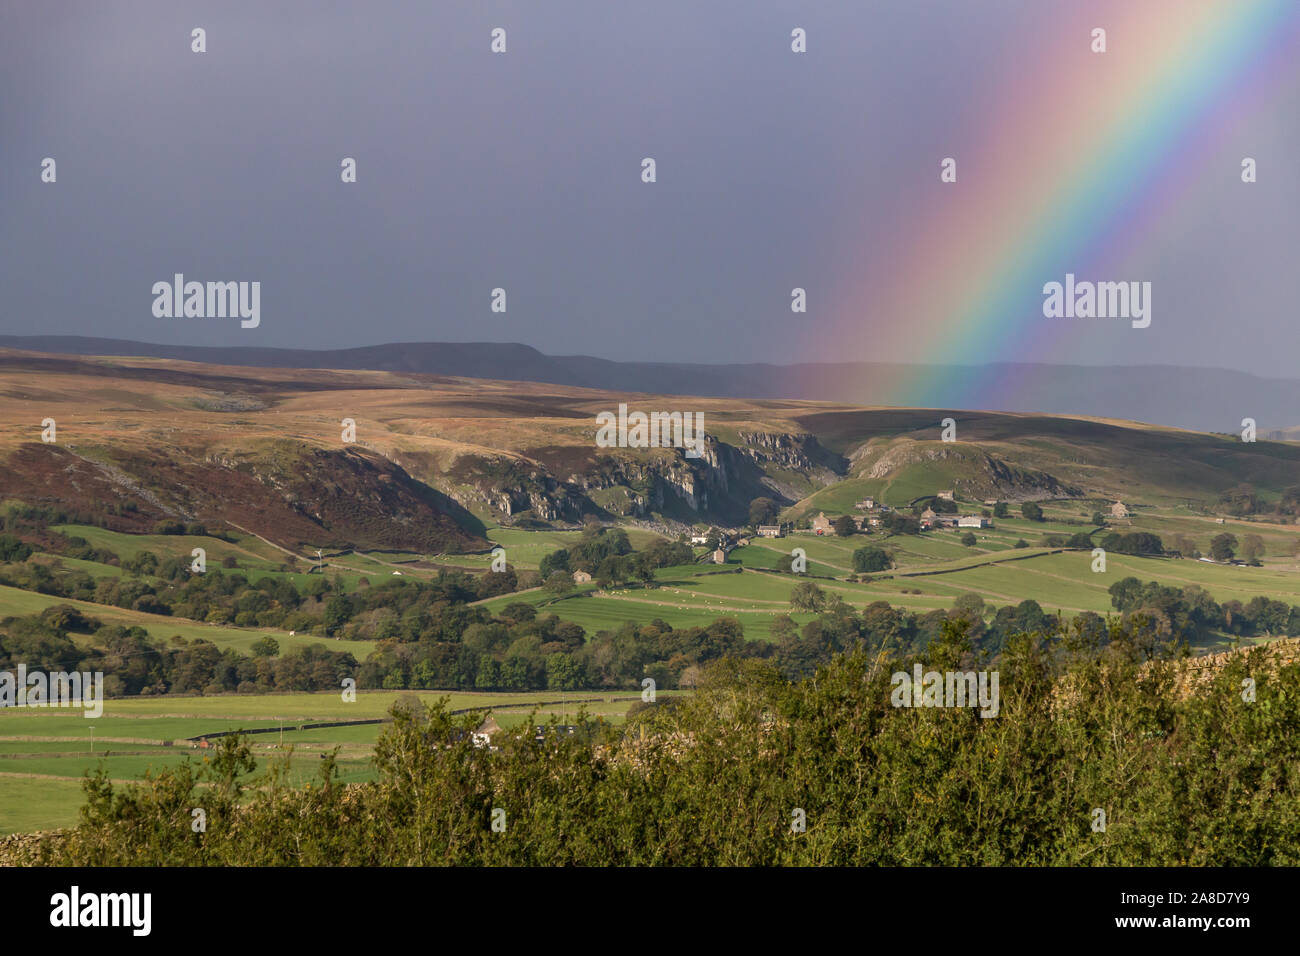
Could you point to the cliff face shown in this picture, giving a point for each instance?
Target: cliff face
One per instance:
(566, 483)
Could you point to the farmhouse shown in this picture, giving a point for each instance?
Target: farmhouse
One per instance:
(769, 531)
(822, 524)
(928, 514)
(945, 495)
(699, 539)
(866, 504)
(482, 737)
(720, 556)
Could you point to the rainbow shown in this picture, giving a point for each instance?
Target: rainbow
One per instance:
(1082, 157)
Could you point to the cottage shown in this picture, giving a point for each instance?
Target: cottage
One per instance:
(581, 577)
(822, 524)
(945, 495)
(699, 539)
(482, 737)
(769, 531)
(719, 557)
(866, 504)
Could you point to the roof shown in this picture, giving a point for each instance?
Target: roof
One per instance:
(489, 726)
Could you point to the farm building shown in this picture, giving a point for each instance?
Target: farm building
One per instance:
(581, 577)
(1119, 510)
(945, 495)
(973, 521)
(486, 731)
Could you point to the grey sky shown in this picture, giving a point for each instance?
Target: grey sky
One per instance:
(522, 171)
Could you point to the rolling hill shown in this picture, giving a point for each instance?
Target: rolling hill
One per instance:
(1201, 398)
(144, 440)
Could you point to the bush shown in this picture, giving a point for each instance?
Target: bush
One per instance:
(870, 559)
(1090, 716)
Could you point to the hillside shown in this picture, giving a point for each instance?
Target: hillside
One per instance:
(1169, 395)
(144, 440)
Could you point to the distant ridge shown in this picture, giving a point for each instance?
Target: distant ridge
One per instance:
(1195, 398)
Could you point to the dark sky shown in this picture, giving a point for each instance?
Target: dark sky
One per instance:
(523, 171)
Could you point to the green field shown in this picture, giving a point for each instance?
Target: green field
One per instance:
(14, 601)
(45, 753)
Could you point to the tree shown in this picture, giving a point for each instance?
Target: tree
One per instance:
(11, 549)
(762, 511)
(338, 611)
(969, 606)
(845, 526)
(1223, 547)
(614, 570)
(265, 647)
(1098, 518)
(559, 582)
(1031, 511)
(870, 559)
(1252, 549)
(1133, 542)
(896, 523)
(555, 561)
(1000, 510)
(968, 539)
(807, 596)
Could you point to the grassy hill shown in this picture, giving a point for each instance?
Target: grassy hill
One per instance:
(437, 458)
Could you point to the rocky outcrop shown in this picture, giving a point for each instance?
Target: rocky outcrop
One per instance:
(564, 483)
